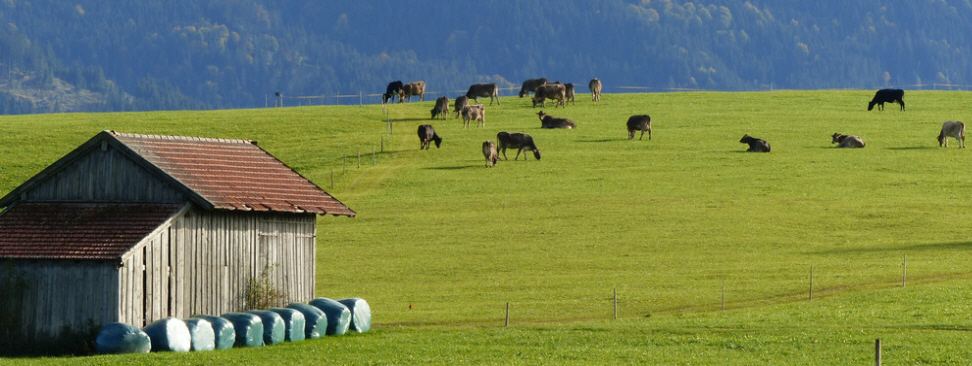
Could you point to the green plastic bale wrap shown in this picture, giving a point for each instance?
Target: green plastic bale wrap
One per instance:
(223, 331)
(202, 334)
(273, 326)
(360, 314)
(315, 322)
(169, 335)
(249, 329)
(338, 315)
(294, 323)
(116, 338)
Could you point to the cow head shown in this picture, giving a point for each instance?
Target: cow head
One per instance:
(541, 114)
(941, 139)
(837, 137)
(536, 153)
(870, 105)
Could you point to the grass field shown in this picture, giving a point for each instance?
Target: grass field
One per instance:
(441, 244)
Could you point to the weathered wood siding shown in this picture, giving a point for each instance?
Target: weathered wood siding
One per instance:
(105, 176)
(202, 264)
(66, 293)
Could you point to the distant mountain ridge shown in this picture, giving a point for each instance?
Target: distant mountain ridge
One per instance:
(206, 54)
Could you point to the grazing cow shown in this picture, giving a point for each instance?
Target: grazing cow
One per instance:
(427, 134)
(548, 121)
(551, 91)
(483, 90)
(755, 144)
(639, 123)
(461, 101)
(489, 152)
(410, 89)
(441, 108)
(887, 96)
(474, 112)
(568, 92)
(848, 141)
(391, 90)
(530, 86)
(595, 86)
(954, 129)
(519, 141)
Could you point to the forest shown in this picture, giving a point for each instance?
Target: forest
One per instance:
(87, 55)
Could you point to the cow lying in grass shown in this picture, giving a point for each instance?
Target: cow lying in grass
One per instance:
(519, 141)
(475, 112)
(427, 134)
(441, 108)
(887, 96)
(954, 129)
(548, 121)
(489, 152)
(639, 123)
(848, 141)
(755, 144)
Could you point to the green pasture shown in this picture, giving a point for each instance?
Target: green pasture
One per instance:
(680, 227)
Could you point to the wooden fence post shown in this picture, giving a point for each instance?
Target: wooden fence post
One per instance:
(877, 352)
(615, 304)
(507, 314)
(811, 284)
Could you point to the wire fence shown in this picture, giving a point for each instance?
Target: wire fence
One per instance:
(361, 98)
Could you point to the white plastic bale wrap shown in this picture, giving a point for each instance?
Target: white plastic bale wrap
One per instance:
(223, 331)
(249, 329)
(202, 334)
(360, 314)
(273, 326)
(169, 334)
(338, 315)
(294, 323)
(315, 322)
(115, 338)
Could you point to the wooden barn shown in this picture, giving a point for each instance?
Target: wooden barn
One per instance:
(135, 228)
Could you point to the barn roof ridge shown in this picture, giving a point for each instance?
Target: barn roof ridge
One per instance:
(180, 138)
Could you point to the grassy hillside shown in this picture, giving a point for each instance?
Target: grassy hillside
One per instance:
(441, 242)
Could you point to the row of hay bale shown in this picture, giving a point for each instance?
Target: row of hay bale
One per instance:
(254, 328)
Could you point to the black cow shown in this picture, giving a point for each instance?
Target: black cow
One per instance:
(519, 141)
(530, 86)
(755, 144)
(483, 90)
(639, 123)
(391, 90)
(441, 108)
(887, 96)
(427, 134)
(548, 121)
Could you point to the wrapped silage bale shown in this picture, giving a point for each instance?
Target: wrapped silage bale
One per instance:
(249, 329)
(294, 323)
(202, 335)
(338, 315)
(169, 334)
(315, 322)
(115, 338)
(360, 314)
(223, 331)
(273, 326)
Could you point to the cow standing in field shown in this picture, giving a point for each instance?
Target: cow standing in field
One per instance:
(475, 112)
(569, 93)
(391, 91)
(887, 96)
(954, 129)
(483, 90)
(441, 108)
(530, 86)
(427, 135)
(461, 101)
(595, 86)
(489, 152)
(847, 141)
(410, 89)
(755, 144)
(556, 92)
(639, 123)
(548, 121)
(519, 141)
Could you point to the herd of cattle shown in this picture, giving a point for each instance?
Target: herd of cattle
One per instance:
(564, 92)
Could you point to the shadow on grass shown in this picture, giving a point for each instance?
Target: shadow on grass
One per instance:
(965, 245)
(461, 167)
(908, 148)
(599, 140)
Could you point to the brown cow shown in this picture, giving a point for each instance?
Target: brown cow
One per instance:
(489, 152)
(519, 141)
(530, 86)
(475, 112)
(639, 123)
(461, 101)
(441, 108)
(410, 89)
(849, 141)
(595, 86)
(483, 90)
(556, 92)
(548, 121)
(955, 129)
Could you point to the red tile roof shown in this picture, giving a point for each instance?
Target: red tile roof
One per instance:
(233, 174)
(78, 230)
